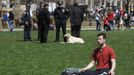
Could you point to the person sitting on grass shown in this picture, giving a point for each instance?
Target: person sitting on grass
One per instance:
(103, 57)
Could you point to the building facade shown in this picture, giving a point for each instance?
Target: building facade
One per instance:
(127, 5)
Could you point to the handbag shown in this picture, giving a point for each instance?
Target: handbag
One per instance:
(70, 71)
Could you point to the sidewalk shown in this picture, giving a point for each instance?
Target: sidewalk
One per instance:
(83, 28)
(15, 29)
(21, 29)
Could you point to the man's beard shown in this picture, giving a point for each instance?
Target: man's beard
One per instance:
(100, 45)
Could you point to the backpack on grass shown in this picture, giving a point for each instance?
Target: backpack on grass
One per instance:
(70, 71)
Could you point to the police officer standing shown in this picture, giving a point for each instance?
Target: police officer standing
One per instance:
(44, 19)
(61, 15)
(41, 6)
(76, 19)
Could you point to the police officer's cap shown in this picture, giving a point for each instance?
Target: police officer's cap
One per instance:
(45, 4)
(75, 3)
(60, 3)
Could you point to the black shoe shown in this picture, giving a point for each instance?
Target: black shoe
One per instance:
(25, 40)
(56, 41)
(43, 42)
(30, 40)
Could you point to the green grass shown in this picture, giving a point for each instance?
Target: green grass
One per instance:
(32, 58)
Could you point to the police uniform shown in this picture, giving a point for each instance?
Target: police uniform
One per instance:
(76, 20)
(71, 21)
(44, 20)
(61, 15)
(38, 20)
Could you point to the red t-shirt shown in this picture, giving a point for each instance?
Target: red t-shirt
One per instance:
(105, 21)
(103, 58)
(122, 12)
(111, 16)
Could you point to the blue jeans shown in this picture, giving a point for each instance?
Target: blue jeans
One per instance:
(27, 35)
(95, 72)
(11, 25)
(111, 24)
(98, 25)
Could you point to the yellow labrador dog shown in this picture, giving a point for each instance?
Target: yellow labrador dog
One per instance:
(71, 39)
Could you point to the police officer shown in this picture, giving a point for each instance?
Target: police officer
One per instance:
(27, 24)
(76, 19)
(38, 10)
(44, 19)
(61, 15)
(71, 23)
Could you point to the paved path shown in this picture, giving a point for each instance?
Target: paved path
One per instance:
(85, 28)
(21, 29)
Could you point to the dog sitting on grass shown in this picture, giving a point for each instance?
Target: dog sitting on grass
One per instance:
(72, 39)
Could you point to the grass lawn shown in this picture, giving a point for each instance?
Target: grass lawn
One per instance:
(32, 58)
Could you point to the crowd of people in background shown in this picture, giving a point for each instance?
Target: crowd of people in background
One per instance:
(7, 20)
(107, 19)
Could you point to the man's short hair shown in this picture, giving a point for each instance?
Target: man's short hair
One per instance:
(60, 3)
(46, 4)
(102, 34)
(76, 4)
(28, 5)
